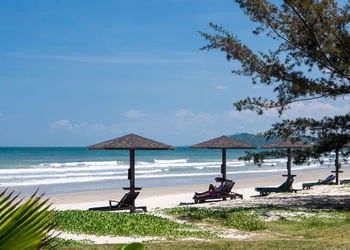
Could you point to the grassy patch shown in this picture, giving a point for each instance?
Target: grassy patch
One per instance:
(264, 217)
(297, 229)
(321, 225)
(232, 244)
(242, 219)
(59, 243)
(251, 244)
(124, 224)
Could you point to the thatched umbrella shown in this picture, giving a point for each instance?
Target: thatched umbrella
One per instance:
(288, 144)
(223, 142)
(131, 142)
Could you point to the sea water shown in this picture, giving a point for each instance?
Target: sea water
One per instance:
(75, 169)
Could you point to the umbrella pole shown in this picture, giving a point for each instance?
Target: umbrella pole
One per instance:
(223, 166)
(337, 166)
(289, 162)
(132, 174)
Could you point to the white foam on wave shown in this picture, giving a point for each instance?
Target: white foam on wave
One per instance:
(61, 181)
(59, 170)
(90, 171)
(148, 171)
(86, 168)
(139, 174)
(280, 160)
(199, 167)
(103, 166)
(170, 161)
(65, 175)
(83, 163)
(236, 165)
(61, 175)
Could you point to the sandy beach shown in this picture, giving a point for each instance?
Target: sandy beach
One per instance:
(165, 197)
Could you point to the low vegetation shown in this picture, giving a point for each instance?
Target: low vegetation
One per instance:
(270, 228)
(239, 218)
(124, 224)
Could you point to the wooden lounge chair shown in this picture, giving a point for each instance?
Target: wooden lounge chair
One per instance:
(126, 203)
(346, 181)
(328, 180)
(222, 195)
(284, 187)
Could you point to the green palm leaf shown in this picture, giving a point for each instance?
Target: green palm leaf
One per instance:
(26, 225)
(132, 246)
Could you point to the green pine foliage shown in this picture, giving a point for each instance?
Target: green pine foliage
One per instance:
(311, 61)
(313, 36)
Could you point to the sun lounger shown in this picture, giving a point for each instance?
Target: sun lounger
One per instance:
(346, 181)
(126, 203)
(284, 187)
(328, 180)
(223, 195)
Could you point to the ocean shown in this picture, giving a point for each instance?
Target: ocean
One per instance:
(75, 169)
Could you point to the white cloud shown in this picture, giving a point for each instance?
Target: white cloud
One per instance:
(134, 114)
(221, 87)
(61, 123)
(201, 119)
(67, 124)
(245, 115)
(237, 114)
(194, 118)
(315, 109)
(186, 126)
(208, 117)
(184, 112)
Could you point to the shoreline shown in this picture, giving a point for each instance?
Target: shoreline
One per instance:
(172, 196)
(159, 182)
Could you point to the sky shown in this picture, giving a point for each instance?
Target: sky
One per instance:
(75, 73)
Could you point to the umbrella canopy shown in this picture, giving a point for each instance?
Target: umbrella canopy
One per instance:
(223, 142)
(131, 142)
(288, 144)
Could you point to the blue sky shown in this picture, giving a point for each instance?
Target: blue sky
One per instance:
(74, 73)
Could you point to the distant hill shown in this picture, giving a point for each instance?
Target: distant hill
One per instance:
(257, 140)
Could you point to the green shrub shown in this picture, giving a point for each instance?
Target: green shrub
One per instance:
(123, 224)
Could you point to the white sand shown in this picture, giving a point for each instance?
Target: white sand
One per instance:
(325, 196)
(166, 197)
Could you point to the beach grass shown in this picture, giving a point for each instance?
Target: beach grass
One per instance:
(125, 224)
(269, 228)
(313, 227)
(69, 244)
(231, 244)
(245, 219)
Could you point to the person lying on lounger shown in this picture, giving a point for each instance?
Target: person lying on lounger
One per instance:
(212, 190)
